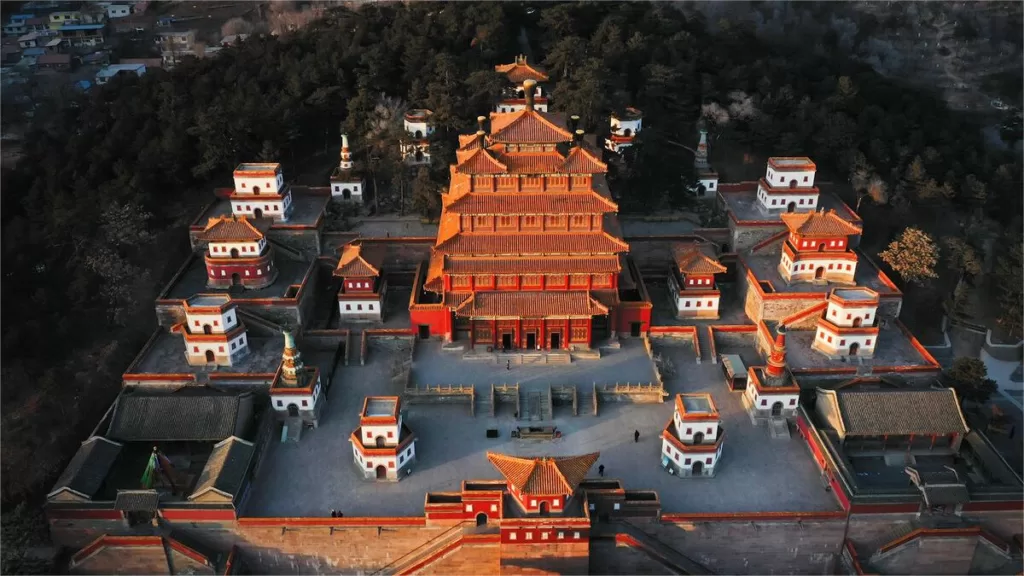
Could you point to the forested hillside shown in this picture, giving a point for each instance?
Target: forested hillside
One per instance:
(94, 215)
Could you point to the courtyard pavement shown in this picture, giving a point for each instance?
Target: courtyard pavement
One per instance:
(317, 474)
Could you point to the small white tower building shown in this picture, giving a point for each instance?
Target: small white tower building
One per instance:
(692, 440)
(213, 333)
(261, 192)
(383, 447)
(788, 185)
(849, 325)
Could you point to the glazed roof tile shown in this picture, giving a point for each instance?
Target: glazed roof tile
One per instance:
(897, 412)
(526, 203)
(89, 467)
(692, 259)
(226, 468)
(528, 127)
(519, 71)
(186, 415)
(232, 229)
(560, 475)
(819, 224)
(583, 161)
(357, 260)
(479, 161)
(530, 305)
(533, 244)
(475, 265)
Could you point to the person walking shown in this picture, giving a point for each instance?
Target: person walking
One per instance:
(600, 470)
(636, 436)
(333, 513)
(508, 364)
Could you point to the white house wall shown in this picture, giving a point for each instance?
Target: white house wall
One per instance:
(792, 272)
(804, 178)
(266, 184)
(708, 427)
(689, 304)
(840, 344)
(789, 401)
(782, 200)
(224, 321)
(245, 249)
(248, 206)
(845, 316)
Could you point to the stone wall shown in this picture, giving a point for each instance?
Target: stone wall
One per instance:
(288, 549)
(468, 558)
(567, 558)
(609, 557)
(746, 546)
(746, 237)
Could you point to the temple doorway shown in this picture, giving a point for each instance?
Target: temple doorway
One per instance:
(424, 331)
(236, 279)
(627, 132)
(857, 322)
(819, 273)
(210, 357)
(634, 329)
(382, 472)
(543, 508)
(531, 341)
(792, 183)
(791, 207)
(506, 341)
(257, 213)
(481, 519)
(821, 247)
(256, 190)
(234, 252)
(419, 134)
(293, 410)
(698, 468)
(207, 329)
(698, 438)
(854, 348)
(346, 194)
(380, 441)
(556, 341)
(419, 156)
(777, 409)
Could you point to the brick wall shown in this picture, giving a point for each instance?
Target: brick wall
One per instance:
(608, 557)
(928, 556)
(277, 549)
(467, 559)
(746, 237)
(752, 547)
(569, 558)
(125, 560)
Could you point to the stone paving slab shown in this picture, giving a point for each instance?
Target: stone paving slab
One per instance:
(317, 474)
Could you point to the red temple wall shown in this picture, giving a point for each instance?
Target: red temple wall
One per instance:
(438, 319)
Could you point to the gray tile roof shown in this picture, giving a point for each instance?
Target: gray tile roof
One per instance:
(185, 415)
(89, 467)
(137, 500)
(226, 468)
(897, 412)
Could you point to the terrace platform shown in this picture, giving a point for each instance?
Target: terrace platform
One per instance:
(193, 281)
(166, 355)
(745, 207)
(893, 349)
(313, 476)
(765, 266)
(308, 208)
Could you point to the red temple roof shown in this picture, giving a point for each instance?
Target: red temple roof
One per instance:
(691, 259)
(544, 475)
(531, 305)
(519, 71)
(232, 229)
(525, 203)
(479, 161)
(519, 244)
(357, 261)
(528, 127)
(583, 161)
(819, 224)
(585, 265)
